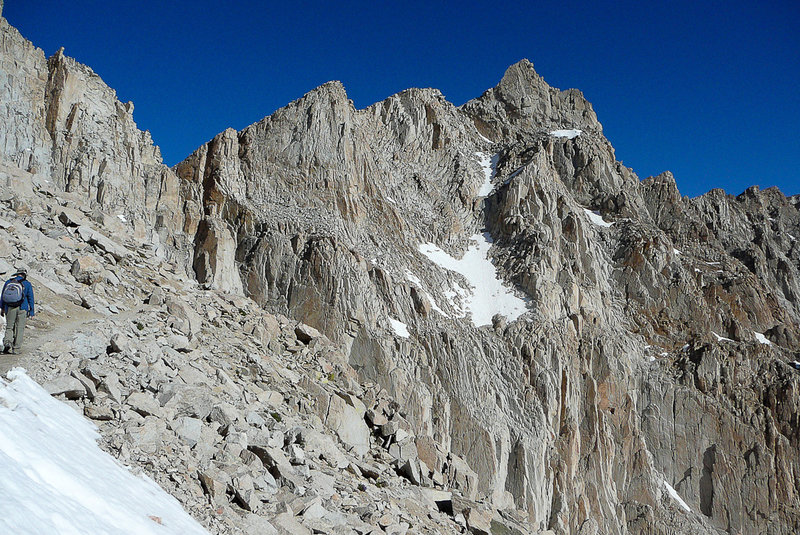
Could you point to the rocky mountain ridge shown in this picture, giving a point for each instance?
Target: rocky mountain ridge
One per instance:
(654, 354)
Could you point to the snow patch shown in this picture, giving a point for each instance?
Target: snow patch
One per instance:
(122, 218)
(391, 200)
(721, 338)
(487, 295)
(675, 251)
(400, 328)
(489, 164)
(597, 219)
(762, 339)
(57, 480)
(569, 134)
(676, 497)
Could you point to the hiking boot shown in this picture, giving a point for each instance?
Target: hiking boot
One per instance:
(6, 349)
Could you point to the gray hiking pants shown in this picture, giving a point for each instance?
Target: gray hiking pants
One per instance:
(15, 325)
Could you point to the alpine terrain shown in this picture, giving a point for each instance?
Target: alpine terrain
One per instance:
(410, 318)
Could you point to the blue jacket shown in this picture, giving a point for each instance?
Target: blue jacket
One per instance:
(27, 296)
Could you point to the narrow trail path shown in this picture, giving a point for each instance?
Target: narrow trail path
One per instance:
(56, 319)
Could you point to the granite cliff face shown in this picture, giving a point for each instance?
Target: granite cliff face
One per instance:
(63, 127)
(653, 357)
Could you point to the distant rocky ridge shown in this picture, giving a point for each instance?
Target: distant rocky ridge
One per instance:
(655, 356)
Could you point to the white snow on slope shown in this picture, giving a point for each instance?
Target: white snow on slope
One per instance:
(400, 328)
(487, 295)
(676, 497)
(569, 134)
(762, 339)
(489, 164)
(597, 219)
(56, 480)
(721, 338)
(486, 139)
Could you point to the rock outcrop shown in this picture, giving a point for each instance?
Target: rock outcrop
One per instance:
(326, 361)
(64, 128)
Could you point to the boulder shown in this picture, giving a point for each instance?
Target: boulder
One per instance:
(348, 422)
(147, 437)
(87, 270)
(156, 297)
(191, 321)
(215, 485)
(306, 333)
(88, 384)
(461, 476)
(120, 343)
(70, 217)
(67, 385)
(410, 469)
(144, 404)
(188, 429)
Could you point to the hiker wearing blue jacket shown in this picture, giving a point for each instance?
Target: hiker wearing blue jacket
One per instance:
(16, 304)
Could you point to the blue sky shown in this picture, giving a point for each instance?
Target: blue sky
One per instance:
(707, 90)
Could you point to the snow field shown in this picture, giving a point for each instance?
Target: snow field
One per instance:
(721, 338)
(56, 480)
(762, 339)
(487, 295)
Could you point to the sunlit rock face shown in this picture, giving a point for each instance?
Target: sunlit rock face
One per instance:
(565, 340)
(612, 383)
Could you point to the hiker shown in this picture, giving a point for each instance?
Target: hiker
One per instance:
(16, 304)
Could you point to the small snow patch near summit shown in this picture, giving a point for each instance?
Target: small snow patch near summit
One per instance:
(487, 295)
(569, 134)
(721, 338)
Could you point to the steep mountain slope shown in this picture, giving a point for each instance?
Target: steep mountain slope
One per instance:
(652, 360)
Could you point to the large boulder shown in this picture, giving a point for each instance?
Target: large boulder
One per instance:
(348, 422)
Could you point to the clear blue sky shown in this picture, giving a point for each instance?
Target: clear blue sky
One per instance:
(707, 90)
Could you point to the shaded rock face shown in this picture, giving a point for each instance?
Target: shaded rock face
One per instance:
(654, 351)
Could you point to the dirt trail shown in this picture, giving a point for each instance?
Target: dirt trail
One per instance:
(56, 318)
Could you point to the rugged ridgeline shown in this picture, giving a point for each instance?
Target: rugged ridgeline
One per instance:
(63, 127)
(654, 353)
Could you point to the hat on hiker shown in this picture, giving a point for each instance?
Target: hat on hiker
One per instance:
(22, 271)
